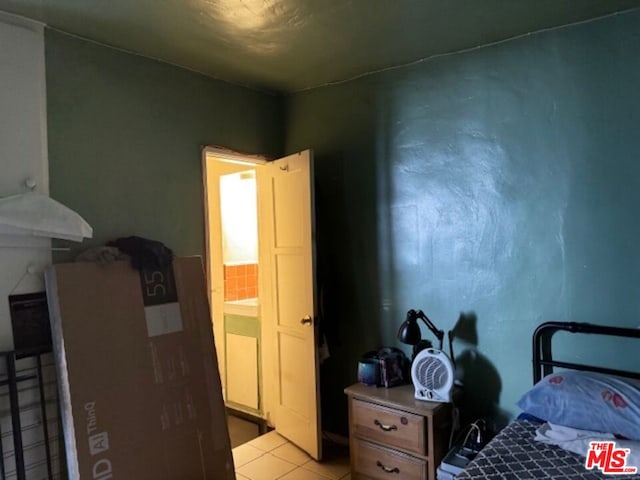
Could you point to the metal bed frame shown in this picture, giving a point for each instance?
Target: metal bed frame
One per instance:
(543, 362)
(502, 458)
(28, 383)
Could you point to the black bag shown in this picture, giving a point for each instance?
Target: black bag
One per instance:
(393, 366)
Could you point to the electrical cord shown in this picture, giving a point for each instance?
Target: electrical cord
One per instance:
(472, 427)
(475, 427)
(455, 423)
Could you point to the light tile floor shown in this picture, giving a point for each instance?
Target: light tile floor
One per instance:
(271, 457)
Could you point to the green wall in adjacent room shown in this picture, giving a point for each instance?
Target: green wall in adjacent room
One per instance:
(125, 134)
(502, 182)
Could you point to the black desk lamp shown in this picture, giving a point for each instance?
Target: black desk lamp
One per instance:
(409, 331)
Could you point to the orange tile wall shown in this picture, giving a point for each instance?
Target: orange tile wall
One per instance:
(240, 281)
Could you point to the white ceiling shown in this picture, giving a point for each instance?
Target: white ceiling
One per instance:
(290, 45)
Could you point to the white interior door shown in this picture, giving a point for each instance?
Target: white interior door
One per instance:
(288, 208)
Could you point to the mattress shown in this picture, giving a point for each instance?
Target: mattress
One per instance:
(514, 455)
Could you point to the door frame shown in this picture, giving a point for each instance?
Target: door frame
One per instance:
(215, 276)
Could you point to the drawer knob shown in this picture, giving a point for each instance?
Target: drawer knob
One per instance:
(386, 428)
(387, 469)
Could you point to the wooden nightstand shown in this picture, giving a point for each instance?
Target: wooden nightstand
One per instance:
(394, 436)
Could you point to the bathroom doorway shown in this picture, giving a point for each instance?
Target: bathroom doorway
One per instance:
(261, 281)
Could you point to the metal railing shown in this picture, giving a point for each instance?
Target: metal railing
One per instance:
(30, 434)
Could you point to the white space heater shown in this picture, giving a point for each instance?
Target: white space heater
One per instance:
(432, 375)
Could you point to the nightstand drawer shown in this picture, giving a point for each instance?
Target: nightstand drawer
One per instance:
(382, 463)
(391, 427)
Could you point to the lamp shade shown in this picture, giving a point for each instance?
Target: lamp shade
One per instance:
(409, 331)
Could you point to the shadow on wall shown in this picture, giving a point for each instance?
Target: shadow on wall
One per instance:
(480, 378)
(345, 327)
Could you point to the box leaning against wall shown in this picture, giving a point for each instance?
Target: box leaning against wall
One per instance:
(139, 382)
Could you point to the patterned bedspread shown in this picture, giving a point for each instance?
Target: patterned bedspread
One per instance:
(514, 455)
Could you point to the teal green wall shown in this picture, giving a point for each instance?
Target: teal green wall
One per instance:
(125, 135)
(502, 182)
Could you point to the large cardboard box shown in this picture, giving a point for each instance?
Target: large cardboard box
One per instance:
(137, 370)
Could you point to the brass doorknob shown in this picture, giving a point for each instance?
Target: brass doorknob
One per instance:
(306, 320)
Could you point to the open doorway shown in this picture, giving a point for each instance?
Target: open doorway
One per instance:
(260, 266)
(233, 269)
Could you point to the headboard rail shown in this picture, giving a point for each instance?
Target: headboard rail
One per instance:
(543, 362)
